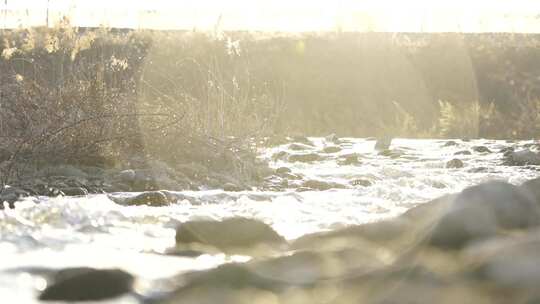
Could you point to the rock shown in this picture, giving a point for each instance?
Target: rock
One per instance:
(283, 171)
(86, 284)
(11, 195)
(478, 170)
(506, 150)
(391, 153)
(438, 185)
(361, 182)
(481, 149)
(302, 140)
(349, 160)
(454, 163)
(305, 158)
(510, 262)
(228, 234)
(450, 143)
(74, 191)
(532, 188)
(321, 185)
(356, 236)
(482, 211)
(464, 152)
(229, 276)
(299, 147)
(522, 158)
(331, 149)
(150, 198)
(231, 187)
(281, 155)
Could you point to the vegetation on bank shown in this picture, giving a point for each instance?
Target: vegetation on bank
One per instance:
(105, 97)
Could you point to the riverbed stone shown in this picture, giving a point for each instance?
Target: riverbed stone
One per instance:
(331, 149)
(322, 185)
(454, 163)
(463, 152)
(450, 143)
(74, 191)
(149, 198)
(522, 158)
(510, 262)
(532, 188)
(300, 147)
(305, 158)
(350, 160)
(482, 211)
(228, 234)
(481, 149)
(87, 284)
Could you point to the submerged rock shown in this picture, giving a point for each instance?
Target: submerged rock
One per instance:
(228, 234)
(87, 284)
(482, 211)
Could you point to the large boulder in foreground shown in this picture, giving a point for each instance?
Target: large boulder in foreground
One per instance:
(483, 211)
(510, 262)
(228, 234)
(87, 284)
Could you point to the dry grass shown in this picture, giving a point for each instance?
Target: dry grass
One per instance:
(101, 95)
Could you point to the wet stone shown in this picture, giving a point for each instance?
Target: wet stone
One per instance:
(522, 158)
(283, 171)
(305, 158)
(454, 163)
(74, 191)
(481, 149)
(349, 160)
(321, 185)
(464, 152)
(151, 198)
(228, 234)
(87, 284)
(331, 149)
(450, 143)
(299, 147)
(481, 211)
(230, 187)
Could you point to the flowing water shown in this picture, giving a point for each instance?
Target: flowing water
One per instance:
(94, 231)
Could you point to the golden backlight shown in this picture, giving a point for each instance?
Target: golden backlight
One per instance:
(281, 15)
